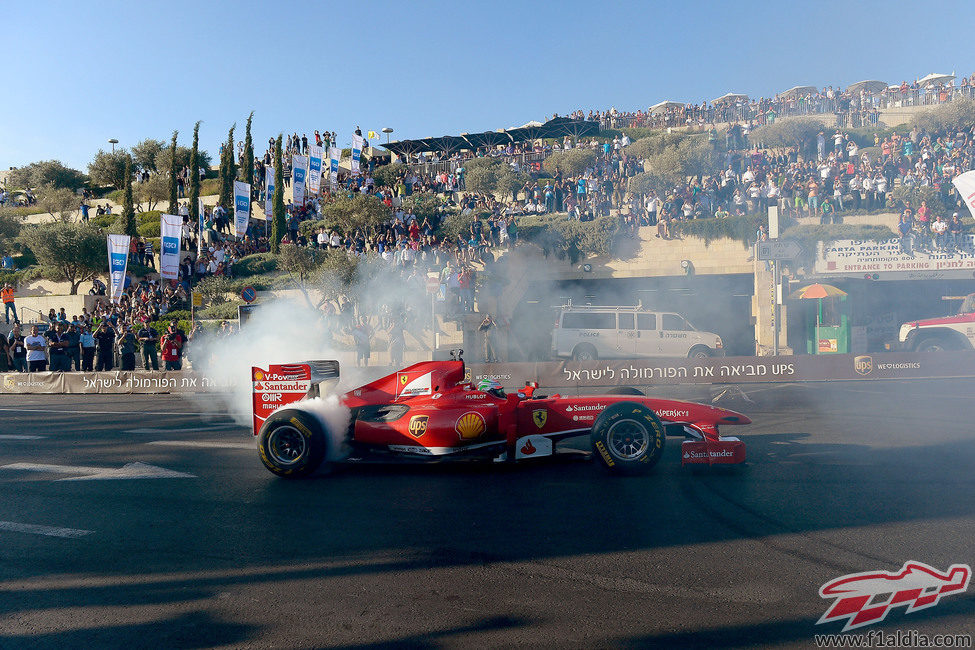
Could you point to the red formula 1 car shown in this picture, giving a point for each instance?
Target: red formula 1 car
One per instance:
(431, 411)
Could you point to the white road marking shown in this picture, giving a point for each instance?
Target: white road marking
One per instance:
(128, 471)
(50, 531)
(215, 444)
(214, 427)
(12, 436)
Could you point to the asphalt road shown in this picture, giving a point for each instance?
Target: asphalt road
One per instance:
(216, 551)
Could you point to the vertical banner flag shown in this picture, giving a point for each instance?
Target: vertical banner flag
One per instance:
(299, 164)
(201, 226)
(242, 207)
(269, 194)
(333, 166)
(965, 184)
(356, 153)
(170, 232)
(314, 169)
(118, 260)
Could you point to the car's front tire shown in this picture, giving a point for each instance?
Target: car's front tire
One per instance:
(292, 443)
(628, 438)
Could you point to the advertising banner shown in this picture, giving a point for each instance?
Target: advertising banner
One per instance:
(333, 166)
(201, 227)
(314, 169)
(356, 153)
(965, 184)
(887, 261)
(269, 195)
(117, 382)
(118, 260)
(242, 207)
(170, 233)
(729, 370)
(299, 166)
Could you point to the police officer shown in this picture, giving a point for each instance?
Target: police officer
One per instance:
(105, 346)
(148, 337)
(57, 345)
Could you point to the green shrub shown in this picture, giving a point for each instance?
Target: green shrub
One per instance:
(102, 220)
(20, 276)
(222, 311)
(740, 228)
(210, 186)
(567, 238)
(116, 196)
(255, 264)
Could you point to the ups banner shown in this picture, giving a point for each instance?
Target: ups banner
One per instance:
(120, 382)
(730, 370)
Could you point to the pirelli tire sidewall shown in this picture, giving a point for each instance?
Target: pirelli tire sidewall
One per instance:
(620, 417)
(293, 423)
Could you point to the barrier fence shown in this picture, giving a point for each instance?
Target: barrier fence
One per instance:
(555, 376)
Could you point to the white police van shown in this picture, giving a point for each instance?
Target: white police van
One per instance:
(626, 332)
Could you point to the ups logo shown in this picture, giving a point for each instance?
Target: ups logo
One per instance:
(418, 425)
(863, 364)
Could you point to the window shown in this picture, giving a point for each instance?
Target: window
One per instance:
(589, 321)
(673, 322)
(626, 321)
(646, 321)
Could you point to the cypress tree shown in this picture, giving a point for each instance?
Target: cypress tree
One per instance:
(228, 172)
(248, 161)
(195, 176)
(173, 198)
(279, 226)
(126, 222)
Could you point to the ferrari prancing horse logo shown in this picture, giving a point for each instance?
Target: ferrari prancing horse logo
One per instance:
(418, 425)
(539, 417)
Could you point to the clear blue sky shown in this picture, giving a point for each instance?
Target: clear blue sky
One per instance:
(79, 74)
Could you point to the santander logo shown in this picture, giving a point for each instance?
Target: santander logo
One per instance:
(528, 448)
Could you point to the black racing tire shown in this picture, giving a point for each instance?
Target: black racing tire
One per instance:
(584, 352)
(933, 344)
(699, 352)
(292, 443)
(628, 438)
(625, 390)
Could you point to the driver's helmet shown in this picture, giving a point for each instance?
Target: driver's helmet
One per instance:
(491, 386)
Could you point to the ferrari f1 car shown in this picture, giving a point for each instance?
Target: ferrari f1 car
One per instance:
(431, 411)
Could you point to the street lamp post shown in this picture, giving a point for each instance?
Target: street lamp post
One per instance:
(387, 131)
(113, 142)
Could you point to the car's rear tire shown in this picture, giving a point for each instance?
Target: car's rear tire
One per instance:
(628, 438)
(625, 390)
(933, 344)
(292, 443)
(584, 352)
(699, 352)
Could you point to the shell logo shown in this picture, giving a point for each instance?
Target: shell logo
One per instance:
(259, 376)
(470, 425)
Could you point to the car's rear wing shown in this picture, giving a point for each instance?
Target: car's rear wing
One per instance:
(283, 384)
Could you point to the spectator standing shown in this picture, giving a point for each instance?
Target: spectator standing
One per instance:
(105, 342)
(87, 349)
(148, 338)
(18, 349)
(360, 336)
(172, 344)
(73, 348)
(7, 295)
(6, 355)
(36, 345)
(57, 343)
(486, 328)
(126, 348)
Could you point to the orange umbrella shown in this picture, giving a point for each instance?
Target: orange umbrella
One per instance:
(817, 291)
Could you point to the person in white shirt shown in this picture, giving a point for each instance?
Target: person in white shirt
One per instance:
(36, 345)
